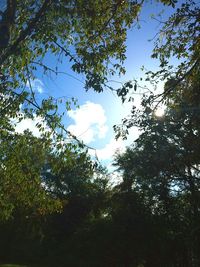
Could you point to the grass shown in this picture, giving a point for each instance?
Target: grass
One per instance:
(12, 265)
(17, 265)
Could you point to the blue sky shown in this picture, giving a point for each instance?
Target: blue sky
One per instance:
(97, 114)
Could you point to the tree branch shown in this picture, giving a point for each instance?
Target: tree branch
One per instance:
(166, 92)
(26, 32)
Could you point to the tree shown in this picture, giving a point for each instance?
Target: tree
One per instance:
(178, 39)
(29, 31)
(22, 162)
(163, 164)
(90, 34)
(48, 197)
(163, 167)
(70, 234)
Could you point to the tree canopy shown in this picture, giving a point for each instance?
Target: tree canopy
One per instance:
(90, 34)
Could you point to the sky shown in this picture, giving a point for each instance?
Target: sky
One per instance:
(93, 121)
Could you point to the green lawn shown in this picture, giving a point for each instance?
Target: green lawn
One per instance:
(12, 265)
(17, 265)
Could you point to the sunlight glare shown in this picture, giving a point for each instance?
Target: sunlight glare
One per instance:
(159, 112)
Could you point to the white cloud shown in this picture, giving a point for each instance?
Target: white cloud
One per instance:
(36, 85)
(107, 152)
(30, 124)
(90, 122)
